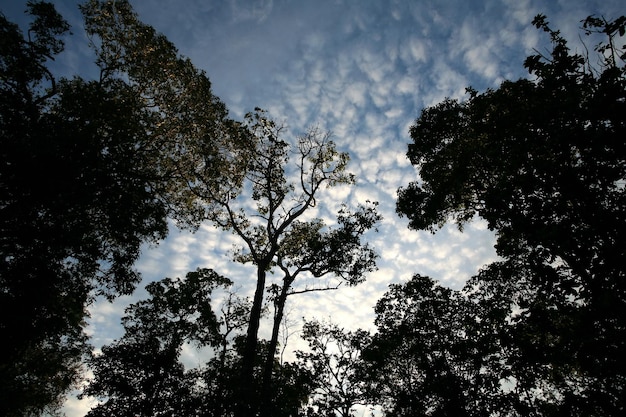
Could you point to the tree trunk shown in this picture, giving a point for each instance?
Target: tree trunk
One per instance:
(247, 402)
(266, 385)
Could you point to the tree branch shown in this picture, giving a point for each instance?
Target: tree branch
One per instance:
(307, 290)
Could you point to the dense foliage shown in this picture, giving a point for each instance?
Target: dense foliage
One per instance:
(421, 361)
(141, 374)
(543, 161)
(90, 170)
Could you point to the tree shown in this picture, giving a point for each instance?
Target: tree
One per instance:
(41, 289)
(334, 361)
(275, 237)
(524, 335)
(422, 360)
(91, 170)
(141, 374)
(543, 162)
(467, 352)
(192, 145)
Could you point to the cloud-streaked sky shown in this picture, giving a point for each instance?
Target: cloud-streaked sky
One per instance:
(362, 69)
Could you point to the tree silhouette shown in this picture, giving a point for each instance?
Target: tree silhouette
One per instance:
(543, 162)
(421, 361)
(334, 361)
(141, 373)
(91, 170)
(274, 235)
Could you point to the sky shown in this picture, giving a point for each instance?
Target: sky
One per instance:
(362, 69)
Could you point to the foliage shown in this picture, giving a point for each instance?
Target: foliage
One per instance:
(41, 288)
(141, 374)
(91, 169)
(420, 360)
(334, 361)
(543, 162)
(199, 150)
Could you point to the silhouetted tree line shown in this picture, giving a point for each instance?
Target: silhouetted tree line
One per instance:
(91, 169)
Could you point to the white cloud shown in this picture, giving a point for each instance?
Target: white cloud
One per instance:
(521, 11)
(257, 10)
(407, 85)
(78, 407)
(355, 93)
(417, 51)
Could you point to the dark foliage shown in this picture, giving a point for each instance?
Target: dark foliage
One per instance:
(90, 170)
(543, 161)
(420, 362)
(142, 374)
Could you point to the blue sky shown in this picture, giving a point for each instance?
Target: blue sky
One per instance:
(361, 69)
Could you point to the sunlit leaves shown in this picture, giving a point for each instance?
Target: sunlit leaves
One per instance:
(202, 153)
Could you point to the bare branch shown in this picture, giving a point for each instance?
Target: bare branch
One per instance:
(307, 290)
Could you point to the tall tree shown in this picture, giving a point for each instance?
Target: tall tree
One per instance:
(275, 236)
(91, 169)
(543, 161)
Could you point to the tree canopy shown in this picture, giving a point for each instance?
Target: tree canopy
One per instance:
(543, 161)
(91, 170)
(418, 364)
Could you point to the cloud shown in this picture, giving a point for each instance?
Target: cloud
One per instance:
(257, 10)
(414, 51)
(78, 407)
